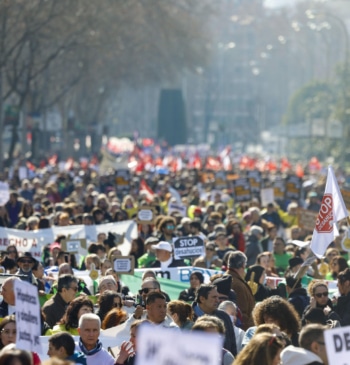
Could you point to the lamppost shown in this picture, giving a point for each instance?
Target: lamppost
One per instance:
(311, 14)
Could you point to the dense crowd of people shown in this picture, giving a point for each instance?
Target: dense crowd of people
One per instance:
(257, 300)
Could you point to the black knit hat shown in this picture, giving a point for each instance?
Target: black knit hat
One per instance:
(223, 284)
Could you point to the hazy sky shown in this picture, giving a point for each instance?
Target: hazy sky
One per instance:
(278, 3)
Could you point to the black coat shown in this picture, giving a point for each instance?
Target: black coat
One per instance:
(299, 299)
(343, 309)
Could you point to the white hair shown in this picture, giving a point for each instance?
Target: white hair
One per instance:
(89, 317)
(226, 304)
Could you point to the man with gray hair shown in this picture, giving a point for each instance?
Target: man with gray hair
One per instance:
(89, 343)
(245, 299)
(253, 244)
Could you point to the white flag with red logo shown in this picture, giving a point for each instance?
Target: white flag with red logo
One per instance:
(332, 211)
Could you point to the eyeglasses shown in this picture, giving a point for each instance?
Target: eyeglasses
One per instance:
(170, 226)
(8, 332)
(74, 288)
(324, 294)
(146, 290)
(26, 261)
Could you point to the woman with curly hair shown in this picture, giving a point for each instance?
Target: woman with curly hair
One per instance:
(319, 298)
(278, 311)
(264, 348)
(70, 320)
(108, 300)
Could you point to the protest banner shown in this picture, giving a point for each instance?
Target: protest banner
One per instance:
(164, 346)
(338, 345)
(306, 219)
(33, 241)
(293, 187)
(4, 192)
(267, 196)
(241, 188)
(28, 322)
(186, 247)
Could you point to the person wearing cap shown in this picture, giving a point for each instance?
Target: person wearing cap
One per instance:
(25, 264)
(245, 300)
(164, 256)
(297, 295)
(148, 257)
(210, 260)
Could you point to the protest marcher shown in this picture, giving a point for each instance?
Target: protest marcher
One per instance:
(267, 241)
(343, 303)
(181, 313)
(264, 348)
(267, 261)
(89, 343)
(62, 346)
(210, 260)
(235, 235)
(281, 256)
(148, 257)
(10, 355)
(108, 300)
(114, 317)
(207, 302)
(25, 264)
(164, 256)
(336, 265)
(213, 324)
(312, 348)
(253, 244)
(297, 295)
(196, 279)
(245, 300)
(8, 331)
(220, 238)
(55, 308)
(107, 283)
(75, 309)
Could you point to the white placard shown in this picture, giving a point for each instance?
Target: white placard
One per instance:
(73, 246)
(338, 345)
(28, 321)
(164, 346)
(122, 265)
(192, 246)
(173, 207)
(22, 173)
(266, 196)
(4, 193)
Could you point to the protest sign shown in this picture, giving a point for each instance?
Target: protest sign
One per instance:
(255, 181)
(4, 192)
(241, 188)
(146, 215)
(28, 322)
(346, 197)
(164, 346)
(174, 207)
(124, 264)
(220, 180)
(122, 179)
(279, 187)
(306, 219)
(74, 245)
(266, 196)
(185, 247)
(338, 345)
(293, 187)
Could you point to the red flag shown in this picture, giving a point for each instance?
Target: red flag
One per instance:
(146, 190)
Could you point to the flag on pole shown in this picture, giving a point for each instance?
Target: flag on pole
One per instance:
(332, 210)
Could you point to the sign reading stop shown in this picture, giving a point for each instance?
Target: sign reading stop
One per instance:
(324, 222)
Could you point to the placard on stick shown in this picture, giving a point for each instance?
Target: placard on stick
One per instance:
(146, 215)
(124, 265)
(74, 245)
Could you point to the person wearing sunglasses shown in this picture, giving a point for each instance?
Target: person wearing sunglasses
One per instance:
(55, 308)
(210, 260)
(166, 229)
(25, 264)
(319, 298)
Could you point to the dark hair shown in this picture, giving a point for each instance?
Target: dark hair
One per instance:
(65, 281)
(309, 334)
(293, 282)
(315, 315)
(195, 224)
(70, 318)
(203, 291)
(257, 270)
(165, 221)
(198, 275)
(65, 340)
(106, 302)
(342, 263)
(344, 275)
(281, 311)
(152, 297)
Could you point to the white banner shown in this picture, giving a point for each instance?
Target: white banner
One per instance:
(28, 321)
(337, 345)
(4, 193)
(33, 241)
